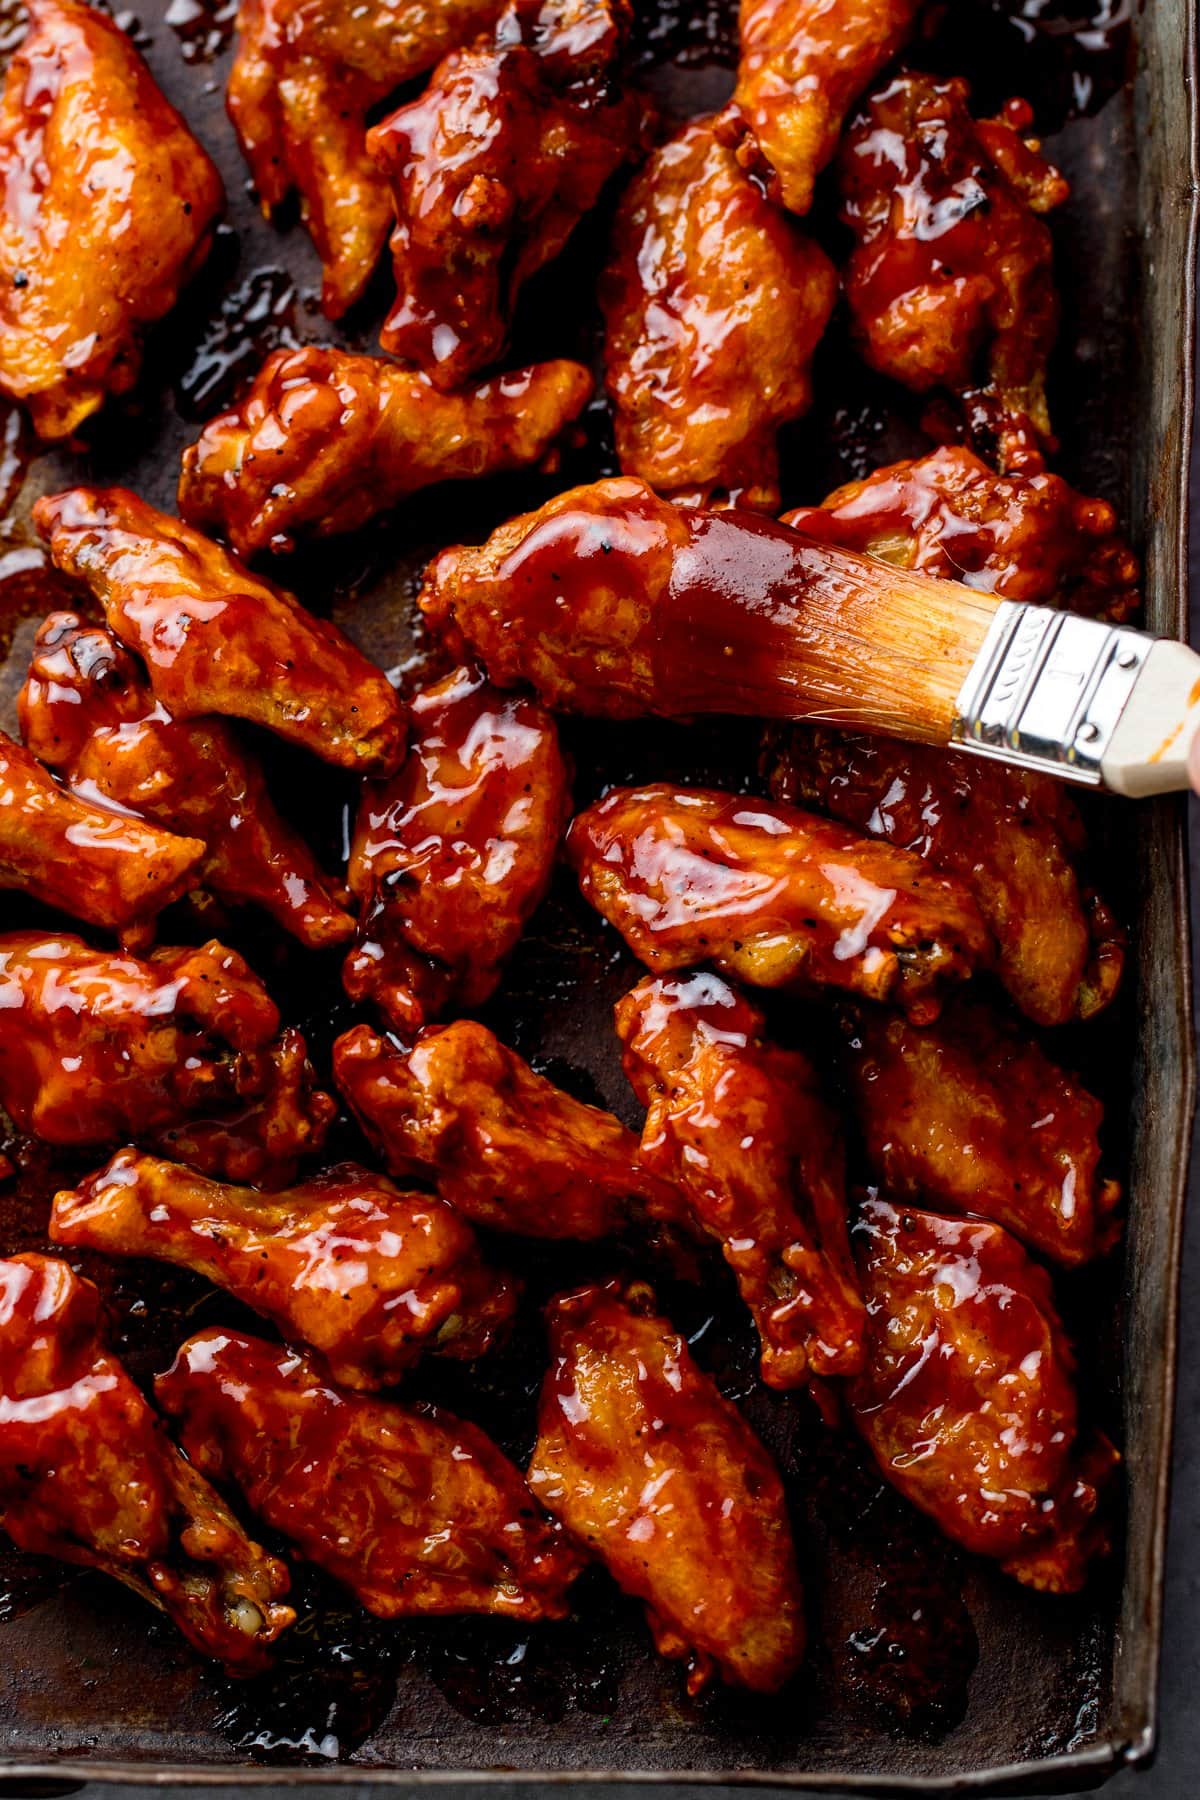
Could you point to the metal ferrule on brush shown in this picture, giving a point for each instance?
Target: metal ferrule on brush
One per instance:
(1047, 689)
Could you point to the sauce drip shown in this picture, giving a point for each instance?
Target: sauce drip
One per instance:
(257, 317)
(204, 27)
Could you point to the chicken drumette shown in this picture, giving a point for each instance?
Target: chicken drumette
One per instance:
(87, 1475)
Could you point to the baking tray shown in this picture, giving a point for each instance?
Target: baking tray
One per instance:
(930, 1672)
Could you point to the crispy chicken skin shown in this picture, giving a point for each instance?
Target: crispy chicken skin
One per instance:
(88, 712)
(714, 303)
(967, 1401)
(773, 896)
(418, 1513)
(217, 639)
(369, 1276)
(507, 1148)
(324, 442)
(803, 63)
(109, 205)
(658, 1475)
(99, 865)
(971, 1116)
(181, 1048)
(491, 169)
(87, 1475)
(951, 283)
(743, 1130)
(453, 854)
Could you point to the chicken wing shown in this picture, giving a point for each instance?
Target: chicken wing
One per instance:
(741, 1128)
(491, 169)
(179, 1049)
(971, 1115)
(417, 1512)
(87, 1475)
(87, 711)
(507, 1148)
(714, 303)
(452, 855)
(658, 1475)
(967, 1401)
(774, 897)
(109, 206)
(99, 865)
(217, 639)
(951, 283)
(369, 1276)
(324, 441)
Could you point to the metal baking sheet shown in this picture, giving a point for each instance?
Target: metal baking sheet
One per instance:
(929, 1670)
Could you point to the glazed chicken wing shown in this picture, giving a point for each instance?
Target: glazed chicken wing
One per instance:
(658, 1475)
(967, 1401)
(87, 1475)
(507, 1148)
(452, 855)
(951, 282)
(217, 639)
(741, 1127)
(714, 303)
(109, 205)
(181, 1049)
(417, 1512)
(369, 1276)
(774, 897)
(88, 712)
(324, 441)
(493, 166)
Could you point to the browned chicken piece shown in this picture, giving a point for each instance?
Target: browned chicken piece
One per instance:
(743, 1130)
(491, 169)
(109, 207)
(951, 282)
(371, 1277)
(968, 1402)
(88, 712)
(506, 1147)
(324, 442)
(714, 303)
(88, 1475)
(774, 897)
(100, 865)
(802, 66)
(217, 639)
(180, 1049)
(453, 854)
(657, 1474)
(305, 77)
(973, 1117)
(418, 1513)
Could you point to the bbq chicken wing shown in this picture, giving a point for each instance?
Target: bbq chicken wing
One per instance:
(109, 206)
(88, 712)
(507, 1148)
(418, 1513)
(369, 1276)
(967, 1401)
(774, 897)
(658, 1475)
(972, 1116)
(493, 166)
(325, 441)
(217, 639)
(99, 865)
(714, 304)
(87, 1475)
(181, 1049)
(741, 1127)
(951, 282)
(453, 854)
